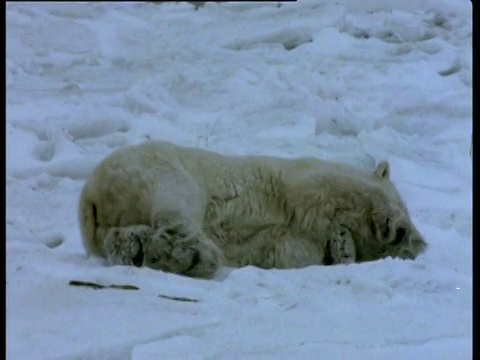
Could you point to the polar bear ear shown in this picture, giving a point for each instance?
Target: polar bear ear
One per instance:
(383, 170)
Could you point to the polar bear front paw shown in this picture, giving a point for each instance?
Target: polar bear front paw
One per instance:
(340, 247)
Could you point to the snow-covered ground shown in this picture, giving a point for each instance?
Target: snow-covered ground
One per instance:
(355, 81)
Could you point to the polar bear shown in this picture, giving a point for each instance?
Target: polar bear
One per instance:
(190, 211)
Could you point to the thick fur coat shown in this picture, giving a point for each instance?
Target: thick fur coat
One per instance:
(189, 211)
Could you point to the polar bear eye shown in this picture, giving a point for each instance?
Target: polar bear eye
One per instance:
(399, 235)
(373, 227)
(386, 231)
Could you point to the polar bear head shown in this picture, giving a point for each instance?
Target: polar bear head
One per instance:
(381, 225)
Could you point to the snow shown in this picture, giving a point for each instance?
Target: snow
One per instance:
(350, 81)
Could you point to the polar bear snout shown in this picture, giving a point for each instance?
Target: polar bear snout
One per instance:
(407, 243)
(388, 235)
(417, 244)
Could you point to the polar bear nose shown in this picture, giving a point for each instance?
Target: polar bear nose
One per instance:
(417, 244)
(407, 254)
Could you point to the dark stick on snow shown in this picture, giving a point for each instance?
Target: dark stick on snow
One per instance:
(98, 286)
(177, 298)
(125, 287)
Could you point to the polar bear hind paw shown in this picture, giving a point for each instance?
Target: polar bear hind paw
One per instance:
(125, 245)
(176, 248)
(173, 248)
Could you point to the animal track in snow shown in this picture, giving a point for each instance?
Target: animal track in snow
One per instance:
(77, 129)
(44, 151)
(454, 68)
(59, 145)
(289, 39)
(97, 128)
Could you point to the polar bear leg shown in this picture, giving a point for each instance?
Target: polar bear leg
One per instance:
(174, 247)
(177, 243)
(277, 247)
(340, 246)
(125, 245)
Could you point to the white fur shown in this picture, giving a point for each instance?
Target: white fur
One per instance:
(189, 211)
